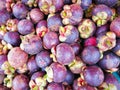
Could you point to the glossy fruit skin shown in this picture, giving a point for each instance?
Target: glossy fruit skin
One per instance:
(25, 27)
(17, 57)
(55, 86)
(86, 28)
(90, 55)
(32, 65)
(37, 80)
(4, 16)
(54, 21)
(41, 28)
(90, 42)
(115, 26)
(69, 77)
(76, 47)
(109, 3)
(3, 58)
(101, 14)
(31, 44)
(36, 15)
(37, 75)
(59, 72)
(83, 3)
(102, 30)
(68, 34)
(116, 49)
(19, 10)
(50, 6)
(109, 61)
(50, 40)
(72, 14)
(64, 54)
(110, 79)
(20, 82)
(96, 72)
(12, 38)
(43, 59)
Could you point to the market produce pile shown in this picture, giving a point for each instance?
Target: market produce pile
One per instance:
(59, 45)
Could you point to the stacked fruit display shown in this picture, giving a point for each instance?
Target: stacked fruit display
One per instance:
(59, 45)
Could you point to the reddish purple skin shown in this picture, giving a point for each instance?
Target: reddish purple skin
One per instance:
(109, 61)
(12, 38)
(25, 27)
(77, 14)
(90, 55)
(39, 29)
(110, 79)
(83, 87)
(3, 58)
(20, 82)
(59, 72)
(69, 77)
(19, 10)
(33, 45)
(4, 88)
(76, 47)
(4, 16)
(115, 26)
(102, 8)
(117, 47)
(64, 54)
(55, 86)
(43, 59)
(73, 37)
(2, 4)
(17, 57)
(85, 4)
(54, 22)
(58, 4)
(109, 3)
(36, 15)
(102, 30)
(37, 75)
(32, 65)
(93, 75)
(41, 23)
(50, 40)
(90, 41)
(2, 76)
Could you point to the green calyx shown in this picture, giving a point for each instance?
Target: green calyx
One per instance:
(8, 69)
(110, 87)
(8, 81)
